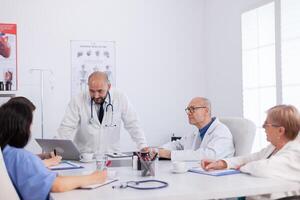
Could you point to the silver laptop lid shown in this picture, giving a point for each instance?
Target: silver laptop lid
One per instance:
(65, 148)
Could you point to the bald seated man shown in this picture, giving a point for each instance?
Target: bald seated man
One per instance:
(210, 140)
(93, 118)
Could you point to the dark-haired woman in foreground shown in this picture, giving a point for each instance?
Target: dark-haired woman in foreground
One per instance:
(49, 159)
(29, 175)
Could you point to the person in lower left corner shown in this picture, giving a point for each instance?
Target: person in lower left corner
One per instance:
(49, 159)
(31, 179)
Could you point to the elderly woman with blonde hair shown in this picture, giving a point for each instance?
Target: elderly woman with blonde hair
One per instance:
(280, 159)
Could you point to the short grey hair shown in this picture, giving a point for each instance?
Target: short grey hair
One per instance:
(207, 104)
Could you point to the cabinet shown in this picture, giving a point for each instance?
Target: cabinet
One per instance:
(6, 95)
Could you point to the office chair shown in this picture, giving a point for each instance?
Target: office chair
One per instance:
(7, 190)
(243, 132)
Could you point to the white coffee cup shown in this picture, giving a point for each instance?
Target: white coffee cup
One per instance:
(178, 167)
(86, 157)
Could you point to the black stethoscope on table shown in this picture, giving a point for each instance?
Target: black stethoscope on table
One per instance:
(139, 185)
(108, 106)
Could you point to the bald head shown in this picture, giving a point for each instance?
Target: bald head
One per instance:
(98, 76)
(98, 86)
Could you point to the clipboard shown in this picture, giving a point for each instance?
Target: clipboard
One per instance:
(65, 165)
(224, 172)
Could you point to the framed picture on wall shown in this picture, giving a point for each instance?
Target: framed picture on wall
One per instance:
(8, 57)
(90, 56)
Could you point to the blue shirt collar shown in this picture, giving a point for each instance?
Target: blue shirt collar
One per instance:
(203, 130)
(6, 148)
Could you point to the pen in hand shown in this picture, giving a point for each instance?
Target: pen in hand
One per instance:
(53, 160)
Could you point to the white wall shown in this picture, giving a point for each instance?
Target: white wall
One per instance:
(159, 56)
(223, 58)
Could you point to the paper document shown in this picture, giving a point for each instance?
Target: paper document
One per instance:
(224, 172)
(99, 185)
(65, 165)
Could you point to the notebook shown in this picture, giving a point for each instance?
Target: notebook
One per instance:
(89, 187)
(224, 172)
(64, 165)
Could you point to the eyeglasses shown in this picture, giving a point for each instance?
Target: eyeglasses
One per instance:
(190, 110)
(265, 125)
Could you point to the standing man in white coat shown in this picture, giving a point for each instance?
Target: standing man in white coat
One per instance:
(211, 140)
(93, 118)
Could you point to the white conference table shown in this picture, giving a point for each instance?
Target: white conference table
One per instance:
(187, 186)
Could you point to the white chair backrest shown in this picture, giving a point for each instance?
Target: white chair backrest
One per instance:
(7, 190)
(243, 132)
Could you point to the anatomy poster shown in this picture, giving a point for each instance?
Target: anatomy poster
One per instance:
(8, 57)
(90, 56)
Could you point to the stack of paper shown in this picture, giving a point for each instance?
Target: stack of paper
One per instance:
(99, 185)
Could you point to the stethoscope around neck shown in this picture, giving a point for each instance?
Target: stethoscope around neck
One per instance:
(108, 107)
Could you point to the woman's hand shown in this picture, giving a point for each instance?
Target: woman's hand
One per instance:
(54, 160)
(99, 176)
(213, 165)
(239, 167)
(67, 183)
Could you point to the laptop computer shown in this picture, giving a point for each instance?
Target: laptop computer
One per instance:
(65, 148)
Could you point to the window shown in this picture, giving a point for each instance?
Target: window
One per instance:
(290, 48)
(259, 74)
(271, 60)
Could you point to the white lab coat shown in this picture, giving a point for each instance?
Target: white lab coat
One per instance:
(285, 164)
(217, 144)
(91, 136)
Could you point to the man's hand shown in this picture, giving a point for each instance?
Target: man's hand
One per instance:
(145, 149)
(153, 151)
(164, 153)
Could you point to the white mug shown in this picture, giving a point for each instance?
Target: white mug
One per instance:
(86, 156)
(179, 167)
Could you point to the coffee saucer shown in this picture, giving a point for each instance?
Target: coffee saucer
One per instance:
(87, 161)
(178, 171)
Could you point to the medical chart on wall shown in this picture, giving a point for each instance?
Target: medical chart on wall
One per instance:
(8, 57)
(90, 56)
